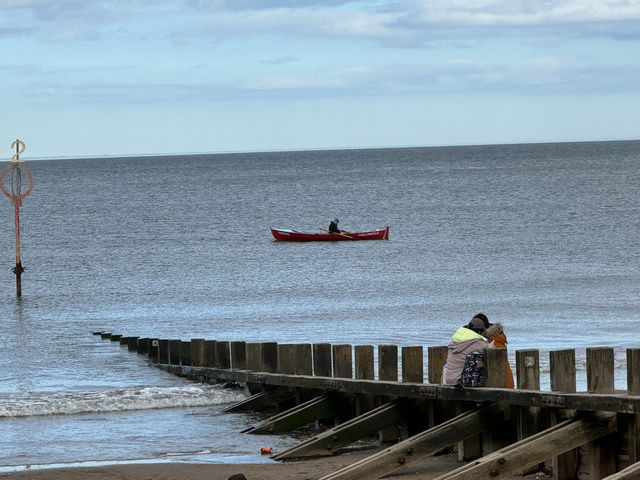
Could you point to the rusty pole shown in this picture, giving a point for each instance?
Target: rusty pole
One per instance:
(16, 197)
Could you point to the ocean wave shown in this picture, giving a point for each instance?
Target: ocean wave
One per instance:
(122, 399)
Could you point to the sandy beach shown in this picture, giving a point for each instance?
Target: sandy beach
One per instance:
(423, 469)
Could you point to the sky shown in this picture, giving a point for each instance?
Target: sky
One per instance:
(133, 77)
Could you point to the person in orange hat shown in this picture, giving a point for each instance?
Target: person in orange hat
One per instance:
(495, 333)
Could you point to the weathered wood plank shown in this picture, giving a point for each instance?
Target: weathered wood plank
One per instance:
(496, 364)
(329, 441)
(412, 364)
(254, 356)
(286, 359)
(163, 351)
(436, 358)
(388, 362)
(524, 454)
(261, 400)
(197, 352)
(239, 355)
(322, 360)
(223, 354)
(600, 370)
(598, 458)
(425, 443)
(528, 369)
(632, 472)
(185, 352)
(342, 361)
(303, 359)
(269, 353)
(210, 353)
(578, 401)
(319, 407)
(633, 421)
(363, 355)
(174, 351)
(633, 371)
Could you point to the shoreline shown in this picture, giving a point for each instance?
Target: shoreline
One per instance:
(425, 468)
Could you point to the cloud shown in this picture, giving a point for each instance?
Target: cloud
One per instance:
(432, 19)
(245, 5)
(538, 76)
(418, 22)
(410, 23)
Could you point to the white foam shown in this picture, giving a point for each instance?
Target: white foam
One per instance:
(123, 399)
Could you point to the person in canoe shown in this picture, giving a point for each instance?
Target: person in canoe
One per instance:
(333, 226)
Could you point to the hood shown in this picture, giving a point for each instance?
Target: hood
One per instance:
(464, 339)
(494, 329)
(464, 334)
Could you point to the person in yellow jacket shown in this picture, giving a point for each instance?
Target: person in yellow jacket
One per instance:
(467, 339)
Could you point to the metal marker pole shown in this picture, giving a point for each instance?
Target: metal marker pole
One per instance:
(16, 197)
(18, 268)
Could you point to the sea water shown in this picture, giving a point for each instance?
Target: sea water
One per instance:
(543, 238)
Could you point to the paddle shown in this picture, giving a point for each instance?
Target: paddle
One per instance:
(337, 233)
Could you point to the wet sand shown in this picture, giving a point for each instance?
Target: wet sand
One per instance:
(422, 469)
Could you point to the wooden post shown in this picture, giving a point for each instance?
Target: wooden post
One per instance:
(286, 359)
(600, 370)
(563, 379)
(562, 364)
(210, 353)
(174, 351)
(412, 372)
(528, 378)
(197, 352)
(239, 355)
(143, 346)
(185, 353)
(322, 360)
(163, 351)
(528, 369)
(436, 358)
(342, 362)
(412, 364)
(388, 362)
(364, 368)
(269, 352)
(388, 371)
(223, 355)
(598, 458)
(496, 364)
(632, 421)
(154, 349)
(364, 361)
(303, 359)
(254, 357)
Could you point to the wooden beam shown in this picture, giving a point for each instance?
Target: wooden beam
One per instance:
(519, 456)
(329, 441)
(262, 400)
(323, 406)
(425, 443)
(579, 401)
(632, 472)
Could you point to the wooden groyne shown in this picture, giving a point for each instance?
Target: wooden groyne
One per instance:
(498, 431)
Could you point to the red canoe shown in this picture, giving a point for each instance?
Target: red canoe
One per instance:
(293, 236)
